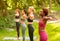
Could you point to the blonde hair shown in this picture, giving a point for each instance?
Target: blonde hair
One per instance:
(32, 8)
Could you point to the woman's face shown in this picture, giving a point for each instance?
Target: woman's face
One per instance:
(41, 13)
(23, 12)
(30, 10)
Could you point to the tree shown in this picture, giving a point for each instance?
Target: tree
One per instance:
(50, 5)
(56, 3)
(3, 7)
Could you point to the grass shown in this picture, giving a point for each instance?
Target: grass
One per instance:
(52, 29)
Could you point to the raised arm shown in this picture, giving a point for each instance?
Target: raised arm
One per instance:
(32, 17)
(49, 18)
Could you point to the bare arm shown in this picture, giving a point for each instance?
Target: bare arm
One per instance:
(31, 17)
(24, 16)
(49, 18)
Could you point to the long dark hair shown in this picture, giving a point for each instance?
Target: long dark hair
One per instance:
(45, 11)
(26, 12)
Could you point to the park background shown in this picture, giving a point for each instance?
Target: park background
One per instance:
(7, 24)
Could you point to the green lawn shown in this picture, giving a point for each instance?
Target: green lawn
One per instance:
(53, 31)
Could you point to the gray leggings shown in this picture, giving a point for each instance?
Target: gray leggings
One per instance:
(23, 31)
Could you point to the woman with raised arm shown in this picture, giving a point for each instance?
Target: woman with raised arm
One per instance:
(17, 20)
(23, 23)
(30, 21)
(42, 24)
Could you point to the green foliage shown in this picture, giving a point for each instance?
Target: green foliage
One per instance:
(3, 22)
(7, 21)
(56, 8)
(58, 1)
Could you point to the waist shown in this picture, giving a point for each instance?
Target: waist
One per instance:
(29, 22)
(41, 29)
(17, 20)
(22, 22)
(22, 19)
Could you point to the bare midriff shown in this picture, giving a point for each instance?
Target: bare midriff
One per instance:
(42, 29)
(29, 22)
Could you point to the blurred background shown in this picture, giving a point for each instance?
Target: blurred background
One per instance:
(7, 23)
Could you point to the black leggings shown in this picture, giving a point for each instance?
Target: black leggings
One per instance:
(17, 28)
(31, 30)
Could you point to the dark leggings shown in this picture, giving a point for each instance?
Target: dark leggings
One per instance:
(17, 28)
(31, 30)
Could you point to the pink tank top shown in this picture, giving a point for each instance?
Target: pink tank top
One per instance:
(41, 24)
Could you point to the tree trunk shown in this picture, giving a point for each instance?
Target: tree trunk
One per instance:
(50, 6)
(3, 7)
(43, 3)
(56, 3)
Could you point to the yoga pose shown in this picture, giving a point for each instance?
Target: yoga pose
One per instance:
(17, 20)
(30, 20)
(42, 24)
(23, 20)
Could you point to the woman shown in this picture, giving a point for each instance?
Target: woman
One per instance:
(23, 20)
(42, 24)
(30, 21)
(17, 20)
